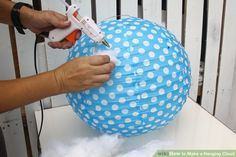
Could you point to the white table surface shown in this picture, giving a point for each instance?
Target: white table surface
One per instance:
(193, 128)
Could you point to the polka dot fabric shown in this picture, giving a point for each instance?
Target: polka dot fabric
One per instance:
(149, 84)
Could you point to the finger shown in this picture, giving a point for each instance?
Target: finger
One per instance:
(56, 21)
(78, 35)
(60, 16)
(99, 59)
(55, 44)
(105, 68)
(61, 45)
(101, 78)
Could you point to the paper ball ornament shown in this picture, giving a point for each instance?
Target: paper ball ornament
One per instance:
(148, 86)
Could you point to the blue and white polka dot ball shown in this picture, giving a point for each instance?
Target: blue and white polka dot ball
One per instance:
(149, 84)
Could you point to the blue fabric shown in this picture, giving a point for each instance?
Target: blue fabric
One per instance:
(149, 84)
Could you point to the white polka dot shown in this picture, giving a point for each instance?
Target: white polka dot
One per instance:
(142, 83)
(129, 33)
(117, 40)
(144, 115)
(156, 46)
(159, 79)
(117, 117)
(154, 99)
(166, 51)
(107, 113)
(104, 102)
(169, 95)
(127, 120)
(160, 113)
(144, 95)
(170, 62)
(109, 36)
(174, 55)
(166, 71)
(126, 55)
(115, 107)
(122, 100)
(110, 82)
(132, 104)
(136, 23)
(138, 122)
(177, 66)
(168, 83)
(112, 23)
(141, 50)
(150, 36)
(127, 67)
(156, 66)
(132, 27)
(111, 122)
(146, 62)
(101, 117)
(161, 91)
(118, 75)
(125, 111)
(162, 58)
(154, 31)
(101, 90)
(135, 59)
(153, 87)
(112, 95)
(121, 125)
(151, 54)
(146, 43)
(118, 31)
(111, 28)
(174, 75)
(95, 96)
(126, 44)
(139, 71)
(85, 50)
(160, 40)
(135, 114)
(130, 92)
(145, 106)
(119, 88)
(144, 29)
(117, 50)
(175, 87)
(154, 109)
(128, 80)
(169, 44)
(139, 34)
(105, 126)
(168, 105)
(161, 103)
(150, 75)
(98, 108)
(135, 41)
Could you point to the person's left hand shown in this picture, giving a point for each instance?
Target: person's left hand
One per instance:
(44, 21)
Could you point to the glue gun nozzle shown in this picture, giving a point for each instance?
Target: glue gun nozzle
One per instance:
(104, 42)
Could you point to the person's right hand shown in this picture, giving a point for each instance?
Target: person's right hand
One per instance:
(83, 73)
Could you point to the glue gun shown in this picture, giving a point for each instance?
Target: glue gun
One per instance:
(85, 24)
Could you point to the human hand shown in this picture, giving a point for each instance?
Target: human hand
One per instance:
(83, 73)
(44, 21)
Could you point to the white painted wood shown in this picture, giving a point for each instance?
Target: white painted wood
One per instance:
(174, 17)
(10, 122)
(193, 36)
(215, 10)
(227, 63)
(85, 7)
(105, 9)
(152, 10)
(129, 7)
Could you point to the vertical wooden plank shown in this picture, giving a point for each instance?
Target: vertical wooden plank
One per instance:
(10, 122)
(174, 17)
(152, 10)
(85, 7)
(193, 36)
(227, 63)
(215, 10)
(129, 7)
(105, 9)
